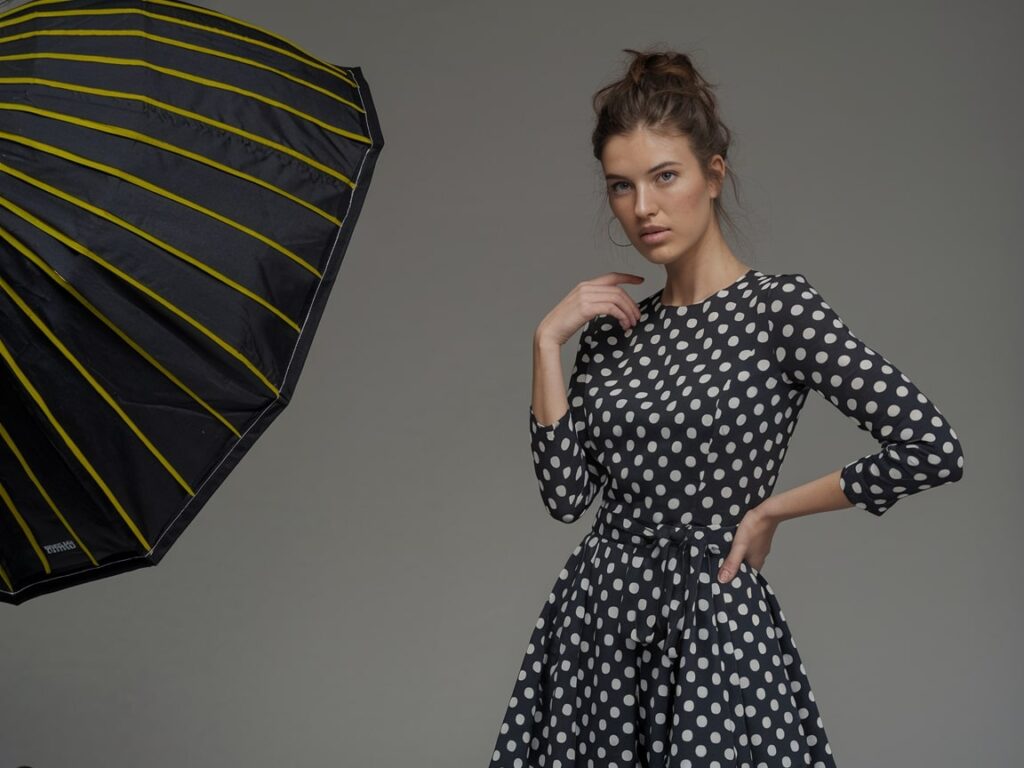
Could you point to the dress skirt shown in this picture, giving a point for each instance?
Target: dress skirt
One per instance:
(640, 657)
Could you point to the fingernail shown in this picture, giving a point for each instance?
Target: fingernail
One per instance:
(723, 575)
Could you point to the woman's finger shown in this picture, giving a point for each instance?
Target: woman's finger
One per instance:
(613, 278)
(731, 564)
(614, 308)
(591, 294)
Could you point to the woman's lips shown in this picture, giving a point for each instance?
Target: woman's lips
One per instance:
(656, 237)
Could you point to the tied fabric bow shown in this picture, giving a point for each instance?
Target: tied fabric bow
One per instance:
(678, 548)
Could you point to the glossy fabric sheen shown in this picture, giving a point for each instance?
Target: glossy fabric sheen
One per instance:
(177, 191)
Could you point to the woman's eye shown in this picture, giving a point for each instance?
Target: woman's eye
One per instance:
(617, 188)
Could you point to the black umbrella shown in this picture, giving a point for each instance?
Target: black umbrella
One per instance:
(177, 191)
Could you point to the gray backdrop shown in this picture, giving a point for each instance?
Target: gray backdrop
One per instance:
(361, 590)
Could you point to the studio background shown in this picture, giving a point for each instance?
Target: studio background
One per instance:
(361, 589)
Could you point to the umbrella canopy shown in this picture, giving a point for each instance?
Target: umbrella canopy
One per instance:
(177, 191)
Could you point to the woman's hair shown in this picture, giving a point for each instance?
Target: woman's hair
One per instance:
(664, 92)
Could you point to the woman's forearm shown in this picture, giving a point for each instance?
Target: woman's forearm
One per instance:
(821, 495)
(549, 401)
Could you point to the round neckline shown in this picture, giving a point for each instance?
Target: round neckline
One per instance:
(722, 292)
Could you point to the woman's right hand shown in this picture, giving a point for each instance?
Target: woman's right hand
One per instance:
(598, 296)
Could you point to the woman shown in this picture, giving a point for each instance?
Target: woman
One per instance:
(661, 642)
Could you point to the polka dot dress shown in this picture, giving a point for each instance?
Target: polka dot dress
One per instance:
(639, 656)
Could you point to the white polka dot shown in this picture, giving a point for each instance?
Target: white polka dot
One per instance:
(684, 420)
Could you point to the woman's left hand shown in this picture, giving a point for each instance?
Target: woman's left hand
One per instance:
(752, 542)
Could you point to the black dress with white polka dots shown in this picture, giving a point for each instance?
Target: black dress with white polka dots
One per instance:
(639, 656)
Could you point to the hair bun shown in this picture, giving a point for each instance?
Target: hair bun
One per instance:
(664, 92)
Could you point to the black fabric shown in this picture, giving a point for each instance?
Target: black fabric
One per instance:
(173, 217)
(639, 656)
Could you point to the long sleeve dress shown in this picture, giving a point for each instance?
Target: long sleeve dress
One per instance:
(640, 657)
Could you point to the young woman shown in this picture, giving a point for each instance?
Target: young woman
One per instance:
(661, 643)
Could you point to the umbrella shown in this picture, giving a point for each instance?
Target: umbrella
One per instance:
(177, 191)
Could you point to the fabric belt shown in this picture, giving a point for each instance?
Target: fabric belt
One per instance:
(679, 549)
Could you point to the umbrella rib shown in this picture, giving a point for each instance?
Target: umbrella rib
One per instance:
(53, 275)
(163, 192)
(41, 402)
(76, 87)
(307, 58)
(13, 509)
(118, 61)
(101, 32)
(292, 98)
(100, 389)
(159, 242)
(42, 492)
(88, 253)
(127, 133)
(255, 422)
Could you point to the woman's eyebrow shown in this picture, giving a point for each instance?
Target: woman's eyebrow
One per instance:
(657, 167)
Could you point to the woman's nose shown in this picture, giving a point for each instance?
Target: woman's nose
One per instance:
(644, 204)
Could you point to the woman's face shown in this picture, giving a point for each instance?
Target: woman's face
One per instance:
(655, 180)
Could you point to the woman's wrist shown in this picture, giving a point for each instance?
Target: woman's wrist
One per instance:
(770, 510)
(543, 341)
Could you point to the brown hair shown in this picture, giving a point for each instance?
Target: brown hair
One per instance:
(664, 92)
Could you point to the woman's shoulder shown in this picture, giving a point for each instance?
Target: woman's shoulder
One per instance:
(784, 288)
(772, 280)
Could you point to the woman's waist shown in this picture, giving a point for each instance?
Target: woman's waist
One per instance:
(687, 521)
